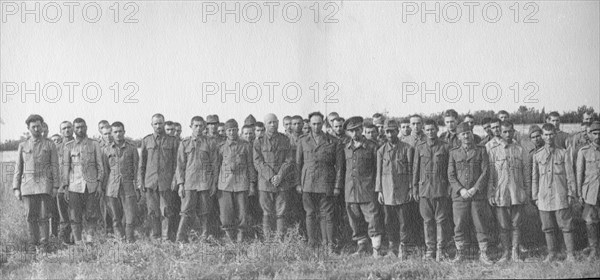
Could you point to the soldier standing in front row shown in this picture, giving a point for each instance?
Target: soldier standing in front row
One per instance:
(468, 176)
(360, 169)
(83, 172)
(588, 185)
(554, 191)
(36, 179)
(196, 163)
(394, 187)
(155, 178)
(121, 159)
(64, 231)
(430, 188)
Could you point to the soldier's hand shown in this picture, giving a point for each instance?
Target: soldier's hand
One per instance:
(472, 192)
(380, 197)
(17, 194)
(299, 189)
(181, 192)
(54, 192)
(492, 201)
(464, 193)
(336, 192)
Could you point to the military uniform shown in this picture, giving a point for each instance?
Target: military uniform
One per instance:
(553, 181)
(36, 176)
(318, 160)
(104, 201)
(121, 162)
(430, 184)
(588, 183)
(414, 139)
(415, 221)
(273, 156)
(451, 138)
(64, 230)
(297, 213)
(156, 171)
(83, 172)
(394, 182)
(236, 176)
(195, 175)
(561, 138)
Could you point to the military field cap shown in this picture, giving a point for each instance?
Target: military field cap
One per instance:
(231, 123)
(353, 123)
(212, 119)
(533, 128)
(463, 127)
(250, 120)
(379, 121)
(390, 125)
(595, 126)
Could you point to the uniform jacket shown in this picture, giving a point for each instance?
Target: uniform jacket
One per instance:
(121, 164)
(430, 169)
(82, 165)
(273, 156)
(468, 168)
(394, 172)
(451, 138)
(553, 179)
(359, 167)
(236, 171)
(588, 173)
(414, 139)
(158, 160)
(36, 169)
(196, 163)
(510, 182)
(60, 151)
(319, 165)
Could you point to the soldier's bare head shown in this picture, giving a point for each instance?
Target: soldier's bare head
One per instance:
(259, 129)
(416, 123)
(296, 124)
(80, 128)
(451, 119)
(56, 139)
(34, 125)
(102, 124)
(587, 116)
(430, 129)
(548, 133)
(170, 128)
(554, 118)
(118, 131)
(158, 123)
(338, 126)
(503, 115)
(405, 127)
(66, 129)
(271, 123)
(106, 133)
(248, 133)
(507, 131)
(178, 129)
(371, 132)
(197, 124)
(495, 127)
(287, 124)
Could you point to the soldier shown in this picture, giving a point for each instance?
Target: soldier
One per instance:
(371, 132)
(196, 161)
(487, 127)
(221, 130)
(416, 136)
(45, 130)
(588, 182)
(578, 141)
(329, 124)
(379, 121)
(359, 187)
(250, 120)
(509, 189)
(273, 160)
(254, 210)
(587, 116)
(394, 187)
(236, 181)
(504, 116)
(297, 210)
(121, 159)
(430, 188)
(212, 123)
(318, 160)
(155, 177)
(287, 125)
(82, 176)
(468, 177)
(337, 130)
(178, 130)
(56, 139)
(553, 192)
(470, 120)
(64, 229)
(36, 180)
(105, 141)
(497, 131)
(451, 121)
(405, 130)
(259, 129)
(306, 127)
(170, 128)
(560, 137)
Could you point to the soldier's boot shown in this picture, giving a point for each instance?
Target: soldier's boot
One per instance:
(64, 233)
(592, 232)
(441, 253)
(266, 226)
(311, 233)
(551, 243)
(156, 227)
(164, 229)
(281, 228)
(516, 241)
(483, 256)
(118, 231)
(505, 240)
(129, 233)
(570, 244)
(240, 236)
(182, 231)
(55, 223)
(362, 248)
(204, 226)
(77, 233)
(460, 254)
(34, 233)
(393, 249)
(44, 235)
(402, 252)
(376, 244)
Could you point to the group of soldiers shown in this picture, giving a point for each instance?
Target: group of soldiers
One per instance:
(387, 179)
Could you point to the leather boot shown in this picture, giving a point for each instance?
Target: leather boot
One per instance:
(182, 231)
(516, 241)
(460, 253)
(129, 233)
(505, 239)
(392, 249)
(441, 253)
(551, 243)
(164, 229)
(483, 256)
(570, 244)
(311, 233)
(376, 244)
(44, 235)
(592, 232)
(34, 233)
(362, 248)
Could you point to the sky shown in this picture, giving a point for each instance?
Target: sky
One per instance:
(187, 58)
